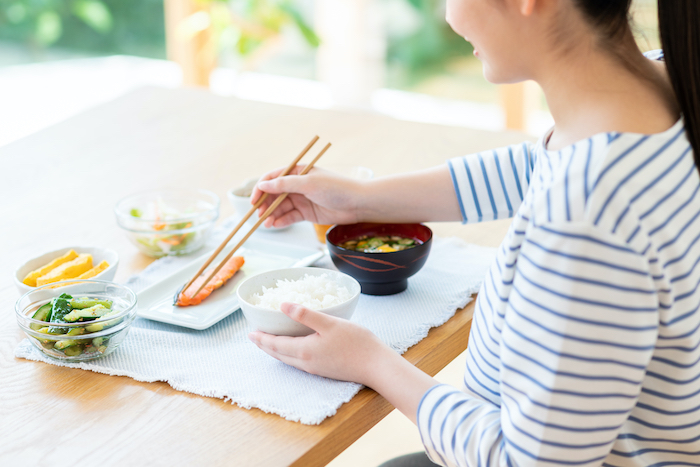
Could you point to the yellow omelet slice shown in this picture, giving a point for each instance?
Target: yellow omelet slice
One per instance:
(30, 279)
(88, 274)
(94, 271)
(69, 270)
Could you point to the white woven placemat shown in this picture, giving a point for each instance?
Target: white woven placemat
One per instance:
(221, 362)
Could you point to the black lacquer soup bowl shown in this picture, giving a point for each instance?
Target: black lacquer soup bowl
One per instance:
(381, 273)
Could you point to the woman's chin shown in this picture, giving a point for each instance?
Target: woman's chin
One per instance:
(490, 75)
(497, 76)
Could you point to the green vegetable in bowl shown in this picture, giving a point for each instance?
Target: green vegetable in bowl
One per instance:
(160, 218)
(67, 309)
(164, 244)
(60, 308)
(89, 302)
(380, 244)
(81, 314)
(42, 314)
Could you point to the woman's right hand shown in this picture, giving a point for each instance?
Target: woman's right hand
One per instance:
(321, 197)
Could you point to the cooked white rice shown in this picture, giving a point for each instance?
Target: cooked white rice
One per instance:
(314, 292)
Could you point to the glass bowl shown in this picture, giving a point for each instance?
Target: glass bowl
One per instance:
(80, 340)
(168, 222)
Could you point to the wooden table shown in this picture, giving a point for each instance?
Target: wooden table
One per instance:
(59, 187)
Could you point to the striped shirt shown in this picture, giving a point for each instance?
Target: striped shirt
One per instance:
(585, 346)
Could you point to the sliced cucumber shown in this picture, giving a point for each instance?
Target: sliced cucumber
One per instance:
(64, 344)
(73, 351)
(86, 313)
(41, 315)
(85, 302)
(104, 324)
(52, 330)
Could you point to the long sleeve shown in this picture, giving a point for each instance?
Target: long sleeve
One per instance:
(554, 370)
(491, 184)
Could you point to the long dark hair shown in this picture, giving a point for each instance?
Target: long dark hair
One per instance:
(679, 26)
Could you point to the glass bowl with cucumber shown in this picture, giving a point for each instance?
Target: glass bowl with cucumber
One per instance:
(77, 320)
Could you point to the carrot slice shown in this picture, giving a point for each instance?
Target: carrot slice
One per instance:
(225, 273)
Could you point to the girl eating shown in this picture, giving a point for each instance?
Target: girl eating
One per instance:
(585, 345)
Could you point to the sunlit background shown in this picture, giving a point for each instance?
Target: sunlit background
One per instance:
(397, 57)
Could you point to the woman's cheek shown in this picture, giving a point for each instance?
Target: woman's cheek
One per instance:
(455, 15)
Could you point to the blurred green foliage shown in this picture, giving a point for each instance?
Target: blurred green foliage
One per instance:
(98, 26)
(136, 27)
(247, 24)
(252, 22)
(430, 48)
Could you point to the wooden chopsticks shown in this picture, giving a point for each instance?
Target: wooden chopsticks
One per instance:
(262, 219)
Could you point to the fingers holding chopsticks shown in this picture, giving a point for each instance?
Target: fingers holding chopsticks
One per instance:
(296, 207)
(272, 175)
(293, 165)
(322, 197)
(273, 184)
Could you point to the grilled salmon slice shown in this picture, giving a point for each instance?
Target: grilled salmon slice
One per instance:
(232, 266)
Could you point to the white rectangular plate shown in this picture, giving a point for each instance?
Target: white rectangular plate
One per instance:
(156, 301)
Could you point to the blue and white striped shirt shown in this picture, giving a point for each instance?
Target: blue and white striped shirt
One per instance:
(585, 346)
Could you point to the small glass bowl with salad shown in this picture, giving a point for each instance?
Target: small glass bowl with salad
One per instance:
(77, 320)
(168, 222)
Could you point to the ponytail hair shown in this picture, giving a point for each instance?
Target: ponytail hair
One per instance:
(679, 26)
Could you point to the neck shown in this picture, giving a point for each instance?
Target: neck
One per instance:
(590, 91)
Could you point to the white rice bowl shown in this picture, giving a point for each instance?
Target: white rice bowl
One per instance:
(324, 290)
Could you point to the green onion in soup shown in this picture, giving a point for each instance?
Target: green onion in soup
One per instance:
(379, 244)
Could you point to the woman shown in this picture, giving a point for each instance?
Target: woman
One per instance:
(585, 345)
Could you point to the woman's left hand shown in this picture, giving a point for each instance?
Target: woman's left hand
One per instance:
(339, 349)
